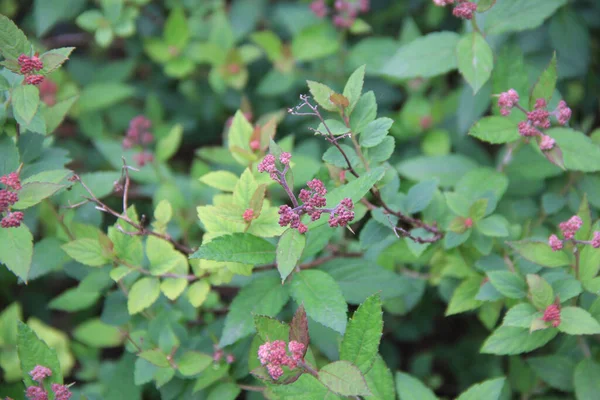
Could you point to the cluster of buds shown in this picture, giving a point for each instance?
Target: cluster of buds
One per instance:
(313, 199)
(8, 197)
(569, 229)
(218, 354)
(273, 356)
(552, 315)
(38, 374)
(463, 9)
(537, 119)
(345, 11)
(139, 134)
(29, 67)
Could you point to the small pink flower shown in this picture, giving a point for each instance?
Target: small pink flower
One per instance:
(230, 359)
(275, 371)
(248, 215)
(29, 64)
(540, 104)
(468, 222)
(11, 180)
(562, 113)
(442, 3)
(36, 393)
(143, 158)
(61, 392)
(319, 8)
(12, 220)
(285, 157)
(465, 9)
(507, 100)
(526, 129)
(217, 354)
(596, 240)
(267, 164)
(555, 243)
(7, 199)
(569, 228)
(302, 228)
(539, 118)
(342, 214)
(297, 349)
(39, 373)
(34, 79)
(547, 143)
(552, 314)
(255, 145)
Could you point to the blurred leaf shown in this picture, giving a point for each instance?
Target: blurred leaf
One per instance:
(577, 321)
(475, 60)
(410, 388)
(545, 85)
(13, 42)
(515, 15)
(16, 250)
(314, 42)
(142, 295)
(176, 32)
(344, 378)
(495, 130)
(289, 250)
(586, 380)
(33, 352)
(167, 146)
(490, 389)
(96, 333)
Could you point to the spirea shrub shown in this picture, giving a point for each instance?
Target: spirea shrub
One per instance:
(311, 200)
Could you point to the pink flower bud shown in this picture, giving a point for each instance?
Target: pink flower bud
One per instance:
(12, 220)
(527, 130)
(562, 113)
(596, 240)
(61, 392)
(36, 393)
(468, 222)
(569, 228)
(552, 314)
(39, 373)
(465, 10)
(255, 145)
(555, 243)
(302, 228)
(319, 8)
(267, 164)
(442, 3)
(230, 359)
(11, 180)
(285, 157)
(547, 143)
(248, 215)
(34, 79)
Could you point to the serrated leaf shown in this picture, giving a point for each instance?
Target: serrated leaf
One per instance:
(419, 196)
(540, 291)
(74, 300)
(490, 389)
(34, 192)
(265, 295)
(54, 58)
(238, 247)
(577, 321)
(507, 340)
(364, 113)
(555, 370)
(344, 378)
(307, 387)
(353, 88)
(321, 93)
(289, 250)
(545, 85)
(380, 381)
(25, 102)
(222, 180)
(360, 345)
(156, 357)
(463, 298)
(143, 294)
(198, 292)
(495, 130)
(410, 388)
(33, 352)
(167, 146)
(177, 32)
(521, 316)
(475, 59)
(96, 333)
(299, 328)
(16, 250)
(321, 297)
(193, 362)
(375, 131)
(87, 251)
(540, 253)
(516, 16)
(13, 41)
(508, 283)
(585, 379)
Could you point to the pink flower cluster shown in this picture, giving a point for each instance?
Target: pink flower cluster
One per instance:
(313, 199)
(552, 314)
(8, 197)
(218, 354)
(38, 374)
(463, 9)
(346, 11)
(342, 214)
(138, 133)
(29, 67)
(569, 229)
(268, 165)
(248, 215)
(273, 355)
(537, 119)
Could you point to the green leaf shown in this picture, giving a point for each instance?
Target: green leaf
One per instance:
(265, 295)
(98, 96)
(224, 391)
(198, 292)
(163, 212)
(489, 390)
(210, 375)
(54, 58)
(87, 251)
(540, 291)
(55, 115)
(344, 378)
(222, 180)
(240, 133)
(578, 150)
(321, 93)
(494, 226)
(380, 381)
(270, 43)
(540, 253)
(463, 298)
(521, 316)
(16, 250)
(34, 192)
(495, 130)
(353, 88)
(177, 31)
(577, 321)
(364, 113)
(314, 42)
(545, 85)
(361, 340)
(334, 156)
(74, 300)
(193, 362)
(167, 146)
(475, 59)
(25, 102)
(427, 56)
(410, 388)
(321, 297)
(555, 370)
(96, 333)
(33, 352)
(307, 387)
(238, 247)
(13, 41)
(419, 196)
(508, 283)
(585, 379)
(354, 190)
(375, 131)
(162, 256)
(507, 340)
(484, 5)
(516, 16)
(289, 250)
(156, 357)
(447, 169)
(143, 294)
